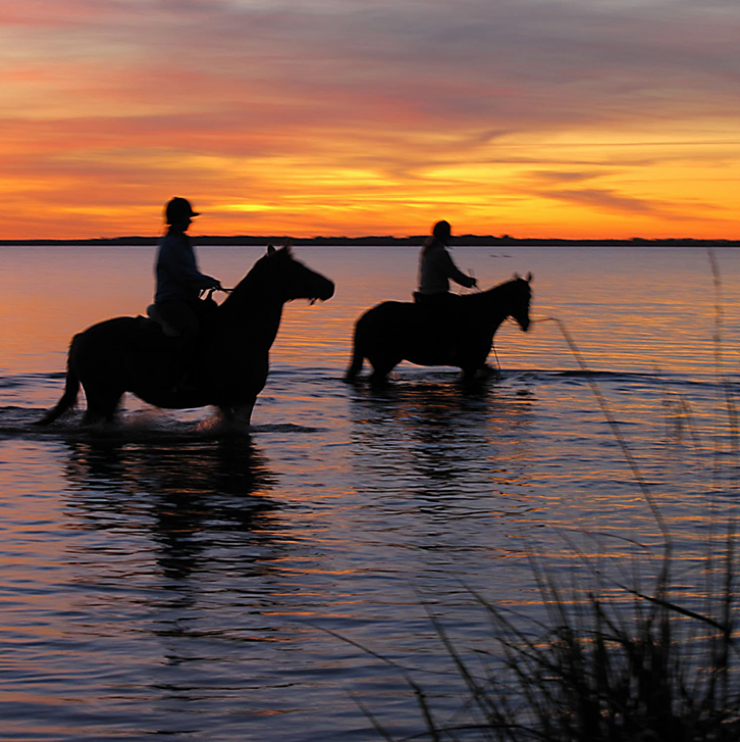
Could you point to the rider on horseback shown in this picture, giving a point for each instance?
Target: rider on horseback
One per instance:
(179, 282)
(436, 268)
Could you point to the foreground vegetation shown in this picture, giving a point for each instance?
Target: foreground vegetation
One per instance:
(599, 669)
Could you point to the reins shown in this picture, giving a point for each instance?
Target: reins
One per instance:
(208, 293)
(476, 289)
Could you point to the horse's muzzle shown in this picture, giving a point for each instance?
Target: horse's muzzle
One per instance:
(325, 290)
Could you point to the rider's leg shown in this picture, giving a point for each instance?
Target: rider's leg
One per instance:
(183, 319)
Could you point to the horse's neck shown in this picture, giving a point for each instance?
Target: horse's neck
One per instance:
(496, 303)
(253, 313)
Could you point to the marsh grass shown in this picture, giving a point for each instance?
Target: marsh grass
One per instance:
(599, 668)
(610, 662)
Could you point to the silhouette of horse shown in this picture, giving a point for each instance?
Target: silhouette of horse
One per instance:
(458, 333)
(132, 354)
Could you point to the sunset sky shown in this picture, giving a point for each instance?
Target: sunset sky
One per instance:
(535, 118)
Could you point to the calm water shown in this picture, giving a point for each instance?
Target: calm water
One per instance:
(159, 579)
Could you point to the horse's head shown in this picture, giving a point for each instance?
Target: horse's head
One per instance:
(279, 275)
(295, 280)
(520, 296)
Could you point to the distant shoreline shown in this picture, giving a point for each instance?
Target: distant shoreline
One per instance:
(468, 240)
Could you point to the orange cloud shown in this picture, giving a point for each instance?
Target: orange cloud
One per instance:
(336, 118)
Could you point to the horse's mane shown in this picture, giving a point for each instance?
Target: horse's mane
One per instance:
(255, 278)
(499, 291)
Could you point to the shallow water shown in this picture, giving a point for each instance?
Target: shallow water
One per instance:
(160, 577)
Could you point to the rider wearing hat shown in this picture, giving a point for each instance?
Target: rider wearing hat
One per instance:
(179, 282)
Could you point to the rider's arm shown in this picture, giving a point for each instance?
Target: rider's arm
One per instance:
(183, 268)
(453, 272)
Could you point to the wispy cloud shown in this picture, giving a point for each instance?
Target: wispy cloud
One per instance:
(255, 100)
(611, 201)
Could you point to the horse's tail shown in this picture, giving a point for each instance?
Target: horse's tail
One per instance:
(69, 398)
(358, 357)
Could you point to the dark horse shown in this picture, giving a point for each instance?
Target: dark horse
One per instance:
(132, 354)
(458, 333)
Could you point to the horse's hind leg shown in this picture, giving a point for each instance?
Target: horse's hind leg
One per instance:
(381, 368)
(102, 406)
(358, 352)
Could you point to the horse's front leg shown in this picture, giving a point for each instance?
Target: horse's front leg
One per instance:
(238, 416)
(475, 374)
(473, 359)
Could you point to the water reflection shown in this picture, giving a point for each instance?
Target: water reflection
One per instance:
(192, 499)
(449, 441)
(448, 472)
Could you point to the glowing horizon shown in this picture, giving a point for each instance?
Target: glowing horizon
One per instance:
(337, 118)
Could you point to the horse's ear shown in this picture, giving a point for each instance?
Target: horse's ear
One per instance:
(271, 250)
(288, 247)
(516, 276)
(530, 277)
